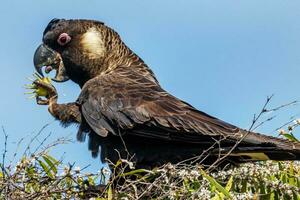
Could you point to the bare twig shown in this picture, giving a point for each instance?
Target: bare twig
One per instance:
(254, 121)
(4, 151)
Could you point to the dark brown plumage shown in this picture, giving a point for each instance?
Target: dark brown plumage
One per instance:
(121, 102)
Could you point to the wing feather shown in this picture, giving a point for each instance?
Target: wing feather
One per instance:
(125, 100)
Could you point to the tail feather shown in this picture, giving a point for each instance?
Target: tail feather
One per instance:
(258, 147)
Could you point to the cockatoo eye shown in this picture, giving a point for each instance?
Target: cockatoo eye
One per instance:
(63, 39)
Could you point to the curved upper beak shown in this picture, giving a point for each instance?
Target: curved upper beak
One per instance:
(45, 56)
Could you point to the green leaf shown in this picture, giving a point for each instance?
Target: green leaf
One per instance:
(244, 186)
(213, 182)
(137, 171)
(290, 137)
(109, 193)
(262, 186)
(196, 185)
(54, 161)
(31, 172)
(229, 184)
(119, 162)
(91, 180)
(46, 169)
(280, 166)
(291, 175)
(283, 177)
(221, 196)
(50, 163)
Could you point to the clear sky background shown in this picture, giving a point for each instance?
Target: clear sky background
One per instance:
(223, 57)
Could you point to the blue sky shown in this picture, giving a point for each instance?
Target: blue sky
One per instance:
(223, 57)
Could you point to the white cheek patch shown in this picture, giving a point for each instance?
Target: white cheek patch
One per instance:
(92, 44)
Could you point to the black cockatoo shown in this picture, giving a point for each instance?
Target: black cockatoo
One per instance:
(123, 109)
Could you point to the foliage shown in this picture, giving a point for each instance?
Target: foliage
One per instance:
(262, 180)
(39, 178)
(38, 175)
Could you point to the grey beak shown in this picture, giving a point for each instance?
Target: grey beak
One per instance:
(45, 56)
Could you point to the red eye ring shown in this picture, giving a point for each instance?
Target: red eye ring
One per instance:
(63, 39)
